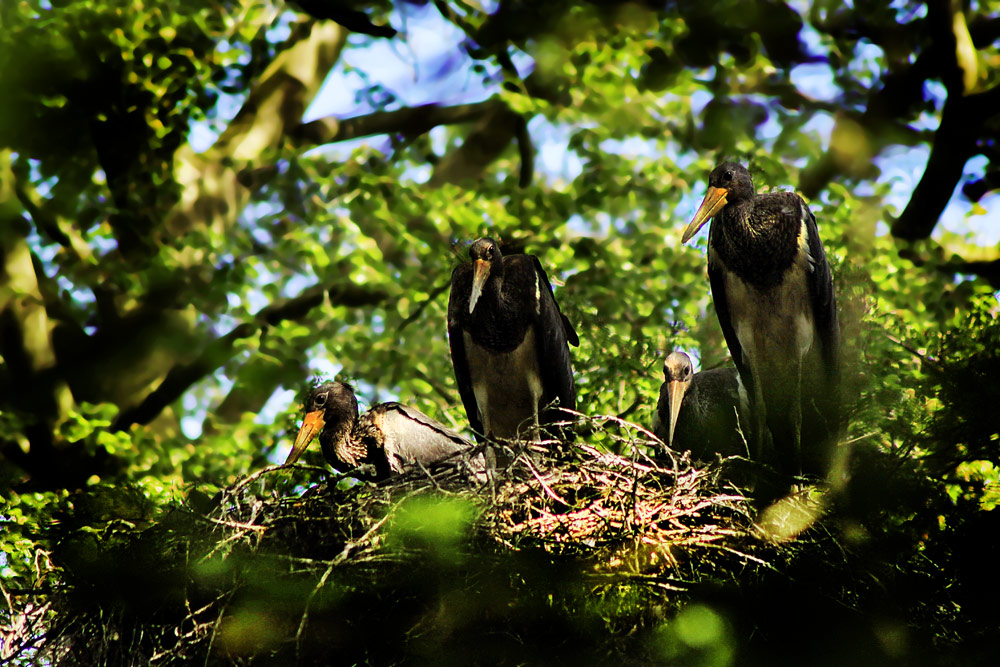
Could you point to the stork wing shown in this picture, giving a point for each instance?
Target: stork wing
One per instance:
(824, 392)
(823, 299)
(554, 333)
(717, 279)
(413, 437)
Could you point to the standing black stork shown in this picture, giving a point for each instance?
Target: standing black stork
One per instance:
(509, 344)
(390, 436)
(704, 413)
(773, 293)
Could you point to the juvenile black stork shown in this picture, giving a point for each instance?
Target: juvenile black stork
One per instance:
(704, 412)
(509, 344)
(773, 293)
(390, 436)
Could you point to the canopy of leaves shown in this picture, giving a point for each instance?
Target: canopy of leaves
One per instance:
(182, 248)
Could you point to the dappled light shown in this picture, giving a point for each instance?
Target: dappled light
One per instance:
(670, 330)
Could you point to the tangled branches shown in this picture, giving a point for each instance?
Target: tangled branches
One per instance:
(290, 564)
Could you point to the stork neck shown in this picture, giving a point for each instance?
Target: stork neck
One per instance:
(338, 445)
(754, 242)
(501, 320)
(738, 225)
(493, 289)
(691, 392)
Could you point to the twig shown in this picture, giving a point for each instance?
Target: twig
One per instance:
(337, 560)
(412, 317)
(545, 487)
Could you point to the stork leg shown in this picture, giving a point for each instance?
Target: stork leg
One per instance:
(820, 422)
(781, 388)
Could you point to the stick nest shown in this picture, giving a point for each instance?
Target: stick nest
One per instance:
(262, 570)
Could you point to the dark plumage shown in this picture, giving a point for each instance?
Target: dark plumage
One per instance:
(509, 343)
(773, 293)
(390, 436)
(701, 412)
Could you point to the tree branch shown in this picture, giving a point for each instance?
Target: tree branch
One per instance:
(352, 19)
(26, 329)
(898, 98)
(491, 135)
(409, 121)
(962, 118)
(496, 127)
(418, 311)
(962, 122)
(212, 196)
(50, 225)
(987, 269)
(182, 376)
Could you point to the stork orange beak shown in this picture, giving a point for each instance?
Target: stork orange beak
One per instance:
(481, 271)
(312, 424)
(713, 202)
(677, 390)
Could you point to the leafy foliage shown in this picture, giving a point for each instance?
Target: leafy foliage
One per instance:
(180, 252)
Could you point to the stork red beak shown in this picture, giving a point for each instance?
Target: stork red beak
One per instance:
(677, 390)
(311, 426)
(481, 271)
(713, 202)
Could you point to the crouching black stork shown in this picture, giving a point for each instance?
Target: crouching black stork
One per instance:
(390, 436)
(704, 413)
(773, 293)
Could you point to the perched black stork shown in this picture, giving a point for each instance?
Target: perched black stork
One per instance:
(509, 344)
(390, 436)
(773, 293)
(704, 413)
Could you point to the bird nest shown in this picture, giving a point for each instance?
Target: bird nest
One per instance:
(630, 516)
(289, 562)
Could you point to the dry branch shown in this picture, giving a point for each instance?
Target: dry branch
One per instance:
(624, 518)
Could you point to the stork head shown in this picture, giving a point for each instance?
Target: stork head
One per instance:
(487, 261)
(728, 183)
(331, 404)
(677, 373)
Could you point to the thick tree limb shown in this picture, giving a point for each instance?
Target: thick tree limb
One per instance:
(497, 125)
(410, 121)
(902, 92)
(341, 12)
(987, 269)
(882, 120)
(182, 376)
(491, 135)
(962, 118)
(212, 195)
(25, 328)
(962, 123)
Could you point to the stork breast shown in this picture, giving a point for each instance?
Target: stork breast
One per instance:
(507, 385)
(774, 326)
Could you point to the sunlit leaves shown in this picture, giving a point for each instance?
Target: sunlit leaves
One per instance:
(638, 105)
(438, 527)
(699, 635)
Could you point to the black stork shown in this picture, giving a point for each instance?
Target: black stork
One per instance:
(773, 293)
(509, 344)
(390, 436)
(704, 413)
